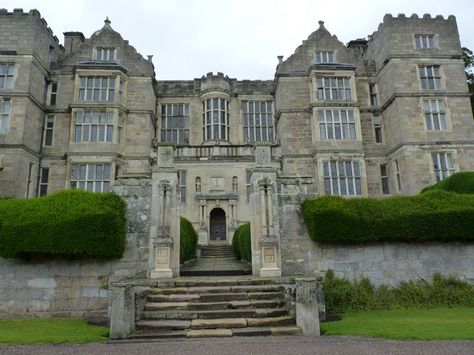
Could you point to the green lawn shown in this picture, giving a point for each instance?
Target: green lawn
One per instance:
(50, 330)
(428, 324)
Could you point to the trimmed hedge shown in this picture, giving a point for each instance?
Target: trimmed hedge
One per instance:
(462, 183)
(342, 295)
(241, 243)
(70, 223)
(188, 241)
(432, 216)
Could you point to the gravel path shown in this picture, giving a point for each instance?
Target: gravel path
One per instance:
(256, 345)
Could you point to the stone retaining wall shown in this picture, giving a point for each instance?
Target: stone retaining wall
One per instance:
(39, 286)
(382, 263)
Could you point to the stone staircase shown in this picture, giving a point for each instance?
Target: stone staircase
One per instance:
(217, 251)
(215, 308)
(216, 260)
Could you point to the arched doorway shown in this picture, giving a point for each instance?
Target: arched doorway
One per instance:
(217, 225)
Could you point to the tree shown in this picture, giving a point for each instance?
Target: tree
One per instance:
(468, 58)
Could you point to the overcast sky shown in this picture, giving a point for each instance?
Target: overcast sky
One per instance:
(240, 38)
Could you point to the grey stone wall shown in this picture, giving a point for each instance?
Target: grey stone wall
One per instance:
(381, 263)
(40, 286)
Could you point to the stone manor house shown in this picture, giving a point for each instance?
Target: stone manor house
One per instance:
(378, 117)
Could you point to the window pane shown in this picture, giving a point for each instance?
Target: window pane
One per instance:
(106, 171)
(82, 174)
(109, 133)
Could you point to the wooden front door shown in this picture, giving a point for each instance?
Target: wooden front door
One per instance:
(217, 225)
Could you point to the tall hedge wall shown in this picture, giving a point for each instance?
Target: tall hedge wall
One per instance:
(432, 216)
(241, 243)
(70, 222)
(188, 241)
(462, 183)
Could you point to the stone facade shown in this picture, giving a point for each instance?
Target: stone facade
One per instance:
(398, 100)
(378, 117)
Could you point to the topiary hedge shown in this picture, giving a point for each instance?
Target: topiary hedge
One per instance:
(462, 183)
(433, 216)
(241, 243)
(70, 223)
(188, 241)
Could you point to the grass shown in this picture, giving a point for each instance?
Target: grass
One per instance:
(50, 330)
(427, 324)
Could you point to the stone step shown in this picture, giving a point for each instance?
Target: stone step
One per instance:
(166, 325)
(226, 251)
(216, 246)
(222, 297)
(262, 331)
(224, 282)
(213, 250)
(169, 325)
(214, 314)
(173, 298)
(232, 304)
(215, 289)
(219, 323)
(219, 332)
(209, 333)
(214, 272)
(271, 321)
(219, 305)
(150, 335)
(218, 256)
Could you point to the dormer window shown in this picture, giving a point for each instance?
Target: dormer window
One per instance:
(324, 57)
(105, 54)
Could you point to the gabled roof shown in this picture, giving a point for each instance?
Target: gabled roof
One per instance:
(127, 57)
(303, 59)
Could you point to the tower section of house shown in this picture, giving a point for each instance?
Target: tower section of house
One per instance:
(101, 113)
(27, 50)
(390, 115)
(422, 101)
(215, 123)
(318, 115)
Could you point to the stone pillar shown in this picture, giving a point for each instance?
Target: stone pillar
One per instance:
(265, 236)
(202, 233)
(294, 239)
(307, 309)
(164, 231)
(122, 312)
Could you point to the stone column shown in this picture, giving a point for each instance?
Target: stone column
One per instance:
(266, 259)
(202, 233)
(164, 230)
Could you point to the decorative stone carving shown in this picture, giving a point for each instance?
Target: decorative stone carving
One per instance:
(217, 183)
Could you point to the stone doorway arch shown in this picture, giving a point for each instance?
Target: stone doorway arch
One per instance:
(217, 225)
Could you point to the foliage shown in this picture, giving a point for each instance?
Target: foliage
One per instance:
(468, 58)
(343, 295)
(70, 222)
(428, 324)
(241, 243)
(433, 216)
(50, 330)
(188, 241)
(461, 183)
